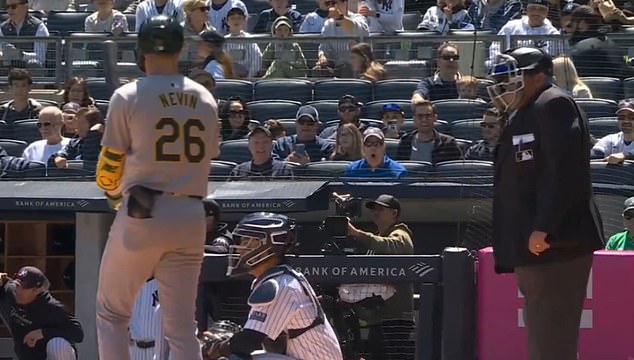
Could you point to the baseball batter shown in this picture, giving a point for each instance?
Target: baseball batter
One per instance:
(162, 130)
(286, 316)
(147, 339)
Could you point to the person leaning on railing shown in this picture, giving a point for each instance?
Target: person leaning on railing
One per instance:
(20, 24)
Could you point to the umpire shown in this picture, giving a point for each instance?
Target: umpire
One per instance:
(545, 221)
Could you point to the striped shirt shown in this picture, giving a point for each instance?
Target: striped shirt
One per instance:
(339, 50)
(295, 307)
(218, 14)
(248, 55)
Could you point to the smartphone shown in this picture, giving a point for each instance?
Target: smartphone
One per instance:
(300, 149)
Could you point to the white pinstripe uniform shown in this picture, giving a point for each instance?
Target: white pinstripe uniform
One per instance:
(59, 348)
(295, 307)
(248, 55)
(146, 325)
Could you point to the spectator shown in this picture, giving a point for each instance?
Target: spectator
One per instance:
(393, 118)
(149, 8)
(11, 163)
(276, 128)
(69, 111)
(315, 148)
(261, 163)
(364, 65)
(19, 24)
(76, 90)
(266, 18)
(105, 19)
(196, 21)
(314, 21)
(216, 61)
(446, 15)
(467, 87)
(426, 143)
(442, 85)
(393, 320)
(334, 55)
(618, 147)
(385, 16)
(375, 163)
(624, 240)
(20, 107)
(234, 119)
(205, 79)
(491, 125)
(493, 14)
(349, 145)
(349, 111)
(247, 55)
(565, 76)
(283, 59)
(50, 126)
(219, 11)
(565, 21)
(87, 144)
(535, 22)
(42, 328)
(53, 5)
(611, 13)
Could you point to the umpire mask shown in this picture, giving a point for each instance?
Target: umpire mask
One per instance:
(508, 85)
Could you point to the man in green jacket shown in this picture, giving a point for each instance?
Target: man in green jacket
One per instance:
(391, 323)
(623, 240)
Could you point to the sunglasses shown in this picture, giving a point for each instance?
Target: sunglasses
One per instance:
(450, 57)
(204, 8)
(373, 143)
(330, 3)
(628, 215)
(14, 6)
(236, 112)
(305, 121)
(43, 124)
(487, 125)
(347, 108)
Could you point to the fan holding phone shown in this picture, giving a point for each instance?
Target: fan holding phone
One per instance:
(305, 146)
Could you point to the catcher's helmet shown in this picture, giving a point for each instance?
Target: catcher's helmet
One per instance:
(160, 35)
(258, 237)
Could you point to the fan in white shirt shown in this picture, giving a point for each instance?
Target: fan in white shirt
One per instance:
(49, 124)
(618, 147)
(149, 8)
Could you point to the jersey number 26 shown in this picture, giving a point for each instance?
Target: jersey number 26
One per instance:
(193, 146)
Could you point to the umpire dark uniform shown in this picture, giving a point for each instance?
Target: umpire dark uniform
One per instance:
(546, 223)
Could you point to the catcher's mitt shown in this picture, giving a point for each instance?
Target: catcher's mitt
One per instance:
(215, 341)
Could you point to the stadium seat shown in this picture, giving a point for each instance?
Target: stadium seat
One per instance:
(463, 144)
(272, 109)
(334, 89)
(451, 110)
(468, 170)
(466, 129)
(395, 89)
(442, 126)
(391, 147)
(373, 109)
(253, 124)
(327, 109)
(99, 89)
(66, 22)
(628, 88)
(102, 105)
(604, 87)
(617, 174)
(283, 89)
(481, 85)
(227, 88)
(235, 150)
(6, 131)
(289, 126)
(417, 168)
(403, 69)
(26, 130)
(221, 170)
(411, 20)
(74, 172)
(13, 147)
(131, 21)
(595, 108)
(600, 127)
(322, 169)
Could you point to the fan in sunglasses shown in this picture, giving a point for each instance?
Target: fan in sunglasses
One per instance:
(22, 24)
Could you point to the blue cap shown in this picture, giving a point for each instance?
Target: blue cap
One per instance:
(309, 112)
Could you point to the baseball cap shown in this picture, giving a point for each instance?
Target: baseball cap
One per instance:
(212, 37)
(538, 2)
(29, 277)
(349, 99)
(71, 107)
(260, 129)
(392, 107)
(373, 132)
(212, 209)
(626, 105)
(309, 112)
(236, 10)
(282, 20)
(628, 204)
(386, 201)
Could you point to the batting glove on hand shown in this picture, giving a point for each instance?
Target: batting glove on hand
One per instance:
(114, 201)
(216, 345)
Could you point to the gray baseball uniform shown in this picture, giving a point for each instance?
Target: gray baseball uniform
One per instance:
(167, 126)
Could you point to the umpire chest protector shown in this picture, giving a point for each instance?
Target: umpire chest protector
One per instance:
(266, 290)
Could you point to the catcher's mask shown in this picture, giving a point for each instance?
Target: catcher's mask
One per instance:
(257, 238)
(509, 83)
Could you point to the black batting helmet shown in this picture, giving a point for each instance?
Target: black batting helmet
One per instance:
(160, 35)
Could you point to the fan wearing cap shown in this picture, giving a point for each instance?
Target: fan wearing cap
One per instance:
(315, 148)
(219, 11)
(349, 111)
(262, 165)
(546, 224)
(283, 59)
(266, 18)
(247, 56)
(393, 237)
(393, 117)
(618, 147)
(214, 58)
(624, 240)
(375, 162)
(41, 326)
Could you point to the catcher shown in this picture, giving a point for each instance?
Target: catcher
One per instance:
(286, 319)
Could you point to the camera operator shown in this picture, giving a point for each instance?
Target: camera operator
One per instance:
(387, 309)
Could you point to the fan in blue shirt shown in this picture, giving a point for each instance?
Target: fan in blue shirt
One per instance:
(376, 163)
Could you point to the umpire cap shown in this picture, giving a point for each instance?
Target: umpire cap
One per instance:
(160, 35)
(532, 59)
